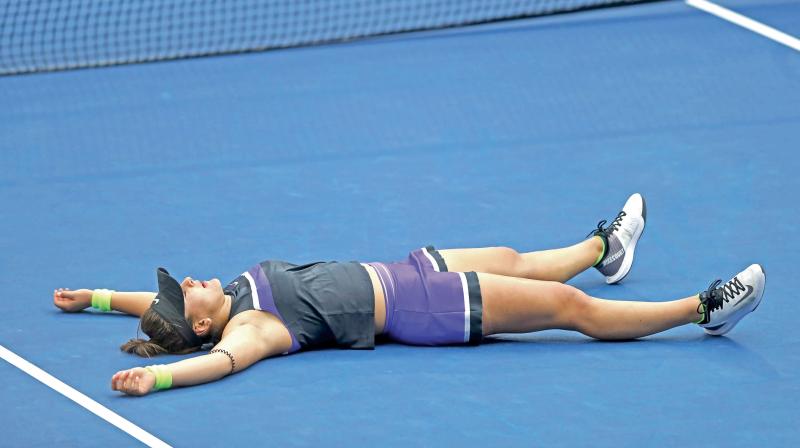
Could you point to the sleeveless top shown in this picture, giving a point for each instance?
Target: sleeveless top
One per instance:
(321, 304)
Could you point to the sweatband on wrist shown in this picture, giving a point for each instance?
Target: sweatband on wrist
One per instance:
(163, 376)
(101, 299)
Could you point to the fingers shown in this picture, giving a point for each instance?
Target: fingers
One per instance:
(65, 293)
(115, 381)
(130, 382)
(121, 381)
(62, 294)
(72, 301)
(125, 380)
(118, 380)
(60, 300)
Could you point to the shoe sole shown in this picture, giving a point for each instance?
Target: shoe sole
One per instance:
(728, 326)
(627, 262)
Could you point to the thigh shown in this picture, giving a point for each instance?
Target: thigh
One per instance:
(494, 260)
(518, 305)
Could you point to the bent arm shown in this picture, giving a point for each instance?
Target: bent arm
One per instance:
(247, 344)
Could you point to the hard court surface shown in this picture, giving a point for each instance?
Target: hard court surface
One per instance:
(522, 134)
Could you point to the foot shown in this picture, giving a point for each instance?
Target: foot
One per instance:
(620, 239)
(723, 306)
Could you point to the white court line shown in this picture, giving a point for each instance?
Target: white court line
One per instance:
(746, 22)
(91, 405)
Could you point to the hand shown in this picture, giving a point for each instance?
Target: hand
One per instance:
(72, 301)
(136, 381)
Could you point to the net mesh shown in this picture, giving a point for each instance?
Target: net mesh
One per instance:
(47, 35)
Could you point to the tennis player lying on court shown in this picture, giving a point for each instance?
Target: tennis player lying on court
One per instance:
(435, 297)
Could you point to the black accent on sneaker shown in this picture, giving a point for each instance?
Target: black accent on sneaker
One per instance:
(716, 296)
(644, 209)
(613, 226)
(604, 232)
(733, 287)
(710, 300)
(763, 271)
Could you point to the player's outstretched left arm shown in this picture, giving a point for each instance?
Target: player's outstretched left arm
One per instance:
(240, 348)
(134, 303)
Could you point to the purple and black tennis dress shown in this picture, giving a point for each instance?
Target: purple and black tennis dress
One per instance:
(327, 304)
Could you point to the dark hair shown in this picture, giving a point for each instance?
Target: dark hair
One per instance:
(163, 338)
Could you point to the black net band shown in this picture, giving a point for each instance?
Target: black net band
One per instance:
(47, 35)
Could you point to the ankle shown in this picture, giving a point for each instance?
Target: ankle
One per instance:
(598, 245)
(698, 315)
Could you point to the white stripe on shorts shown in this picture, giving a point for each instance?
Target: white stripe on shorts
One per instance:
(430, 257)
(466, 305)
(388, 276)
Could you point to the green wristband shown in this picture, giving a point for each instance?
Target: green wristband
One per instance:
(101, 299)
(163, 376)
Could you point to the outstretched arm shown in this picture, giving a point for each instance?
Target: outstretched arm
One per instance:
(135, 303)
(247, 344)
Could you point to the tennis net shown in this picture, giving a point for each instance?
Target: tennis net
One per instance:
(48, 35)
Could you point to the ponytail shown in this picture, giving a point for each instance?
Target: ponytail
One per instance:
(163, 338)
(143, 348)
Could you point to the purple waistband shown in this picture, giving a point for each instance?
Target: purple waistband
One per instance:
(389, 292)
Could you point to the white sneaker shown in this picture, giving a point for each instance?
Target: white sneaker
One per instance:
(724, 306)
(620, 238)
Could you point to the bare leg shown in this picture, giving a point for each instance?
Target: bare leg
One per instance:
(515, 305)
(557, 265)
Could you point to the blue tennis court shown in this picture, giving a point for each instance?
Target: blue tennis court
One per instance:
(521, 133)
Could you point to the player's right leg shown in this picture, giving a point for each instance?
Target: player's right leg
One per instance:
(611, 250)
(557, 265)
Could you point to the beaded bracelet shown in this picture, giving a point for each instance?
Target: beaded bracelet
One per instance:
(233, 361)
(101, 299)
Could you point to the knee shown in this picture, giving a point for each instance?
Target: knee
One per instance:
(507, 252)
(577, 311)
(509, 257)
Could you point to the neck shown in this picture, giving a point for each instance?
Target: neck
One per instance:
(220, 319)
